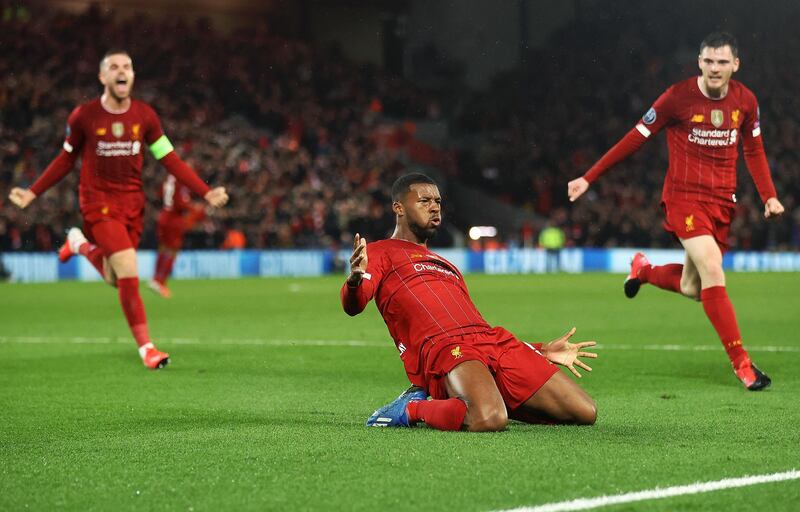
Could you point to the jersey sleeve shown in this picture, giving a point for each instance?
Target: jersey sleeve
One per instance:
(164, 152)
(751, 124)
(154, 136)
(355, 298)
(62, 164)
(753, 149)
(153, 130)
(660, 115)
(75, 134)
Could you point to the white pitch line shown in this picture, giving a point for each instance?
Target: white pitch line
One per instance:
(195, 341)
(282, 342)
(657, 493)
(695, 348)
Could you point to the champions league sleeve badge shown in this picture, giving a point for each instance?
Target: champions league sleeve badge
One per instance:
(650, 116)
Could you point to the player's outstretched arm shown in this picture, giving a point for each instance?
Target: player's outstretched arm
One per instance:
(561, 351)
(576, 188)
(772, 208)
(21, 197)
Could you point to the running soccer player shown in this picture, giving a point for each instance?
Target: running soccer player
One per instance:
(178, 215)
(478, 375)
(705, 118)
(108, 134)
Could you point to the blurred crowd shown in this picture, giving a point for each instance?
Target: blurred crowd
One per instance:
(547, 121)
(295, 132)
(304, 139)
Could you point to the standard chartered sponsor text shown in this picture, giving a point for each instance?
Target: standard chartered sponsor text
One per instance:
(419, 267)
(713, 137)
(118, 148)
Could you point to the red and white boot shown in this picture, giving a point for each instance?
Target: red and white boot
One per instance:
(152, 357)
(75, 239)
(632, 282)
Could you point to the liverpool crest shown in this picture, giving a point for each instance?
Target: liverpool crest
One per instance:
(118, 129)
(717, 118)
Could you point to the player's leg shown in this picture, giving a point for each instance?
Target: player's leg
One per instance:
(559, 400)
(690, 280)
(164, 263)
(465, 398)
(114, 237)
(471, 383)
(682, 220)
(707, 258)
(77, 243)
(535, 391)
(667, 277)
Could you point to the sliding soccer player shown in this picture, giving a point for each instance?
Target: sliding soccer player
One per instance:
(478, 375)
(705, 117)
(110, 135)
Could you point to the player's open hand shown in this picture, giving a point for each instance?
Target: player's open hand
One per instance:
(576, 188)
(21, 197)
(358, 261)
(561, 351)
(772, 208)
(217, 197)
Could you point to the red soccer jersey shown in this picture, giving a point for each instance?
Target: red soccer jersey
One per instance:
(111, 147)
(703, 137)
(420, 295)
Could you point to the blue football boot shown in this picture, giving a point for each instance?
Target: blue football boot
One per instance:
(394, 413)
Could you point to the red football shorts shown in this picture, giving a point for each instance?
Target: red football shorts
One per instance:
(170, 230)
(113, 229)
(688, 220)
(519, 370)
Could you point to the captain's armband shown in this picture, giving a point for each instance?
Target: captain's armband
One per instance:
(161, 148)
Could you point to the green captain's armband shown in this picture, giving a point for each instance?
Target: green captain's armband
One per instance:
(161, 147)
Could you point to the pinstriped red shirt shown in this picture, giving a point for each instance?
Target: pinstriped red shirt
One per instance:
(703, 137)
(420, 295)
(111, 147)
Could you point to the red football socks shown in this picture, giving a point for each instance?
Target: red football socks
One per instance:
(133, 308)
(164, 265)
(720, 311)
(159, 268)
(169, 262)
(439, 414)
(666, 277)
(94, 254)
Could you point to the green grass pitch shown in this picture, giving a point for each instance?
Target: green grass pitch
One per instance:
(262, 409)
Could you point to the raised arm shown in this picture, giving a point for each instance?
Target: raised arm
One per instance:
(364, 277)
(58, 168)
(163, 151)
(659, 115)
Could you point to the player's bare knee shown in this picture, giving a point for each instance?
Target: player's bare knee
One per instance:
(109, 276)
(586, 413)
(690, 289)
(492, 419)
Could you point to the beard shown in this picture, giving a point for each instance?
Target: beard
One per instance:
(422, 233)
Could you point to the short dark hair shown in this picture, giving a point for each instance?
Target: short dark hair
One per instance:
(720, 39)
(113, 51)
(403, 184)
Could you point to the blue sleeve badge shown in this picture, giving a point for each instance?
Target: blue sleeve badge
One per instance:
(69, 131)
(650, 116)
